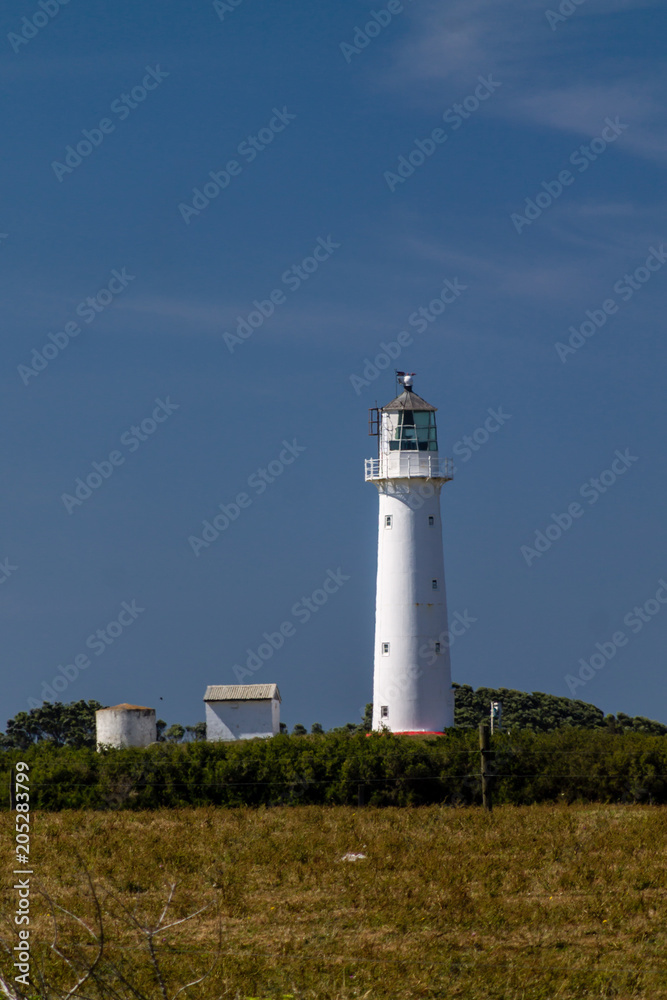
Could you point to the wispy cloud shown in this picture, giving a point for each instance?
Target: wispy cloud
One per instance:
(450, 46)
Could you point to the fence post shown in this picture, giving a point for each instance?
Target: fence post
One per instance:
(485, 751)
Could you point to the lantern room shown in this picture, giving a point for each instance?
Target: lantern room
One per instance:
(407, 440)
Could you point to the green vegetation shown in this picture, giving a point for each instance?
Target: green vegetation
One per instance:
(177, 733)
(551, 894)
(550, 749)
(74, 724)
(60, 725)
(596, 765)
(527, 903)
(542, 712)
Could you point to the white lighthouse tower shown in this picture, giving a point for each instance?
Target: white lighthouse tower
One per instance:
(412, 686)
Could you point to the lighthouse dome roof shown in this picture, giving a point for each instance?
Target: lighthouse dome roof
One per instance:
(408, 401)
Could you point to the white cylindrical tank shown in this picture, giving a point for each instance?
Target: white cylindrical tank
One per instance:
(125, 726)
(412, 688)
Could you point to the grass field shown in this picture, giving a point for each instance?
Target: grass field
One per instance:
(528, 902)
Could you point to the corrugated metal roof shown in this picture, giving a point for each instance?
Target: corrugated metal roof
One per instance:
(409, 401)
(241, 692)
(114, 708)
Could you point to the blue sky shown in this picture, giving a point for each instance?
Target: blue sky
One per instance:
(332, 125)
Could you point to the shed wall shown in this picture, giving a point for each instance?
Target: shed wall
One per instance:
(242, 720)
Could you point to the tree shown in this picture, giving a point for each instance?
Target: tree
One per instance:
(364, 726)
(71, 725)
(175, 733)
(299, 730)
(350, 729)
(197, 732)
(316, 728)
(539, 712)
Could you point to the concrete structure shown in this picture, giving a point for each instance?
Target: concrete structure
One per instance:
(125, 726)
(412, 687)
(242, 711)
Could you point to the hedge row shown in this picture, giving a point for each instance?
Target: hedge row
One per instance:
(380, 769)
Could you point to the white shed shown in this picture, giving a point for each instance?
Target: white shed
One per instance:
(242, 711)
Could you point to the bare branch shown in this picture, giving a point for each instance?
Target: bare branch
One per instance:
(4, 985)
(7, 991)
(172, 889)
(214, 963)
(206, 974)
(183, 920)
(156, 965)
(114, 977)
(98, 938)
(195, 981)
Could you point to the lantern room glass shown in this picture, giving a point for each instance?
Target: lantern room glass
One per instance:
(415, 431)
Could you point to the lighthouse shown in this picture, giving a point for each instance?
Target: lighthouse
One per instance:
(412, 686)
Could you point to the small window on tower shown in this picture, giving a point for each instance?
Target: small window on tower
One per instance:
(434, 584)
(387, 520)
(437, 647)
(431, 520)
(384, 711)
(385, 649)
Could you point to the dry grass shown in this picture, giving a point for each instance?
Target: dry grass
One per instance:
(530, 902)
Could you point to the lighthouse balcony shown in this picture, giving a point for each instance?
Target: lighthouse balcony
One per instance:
(409, 465)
